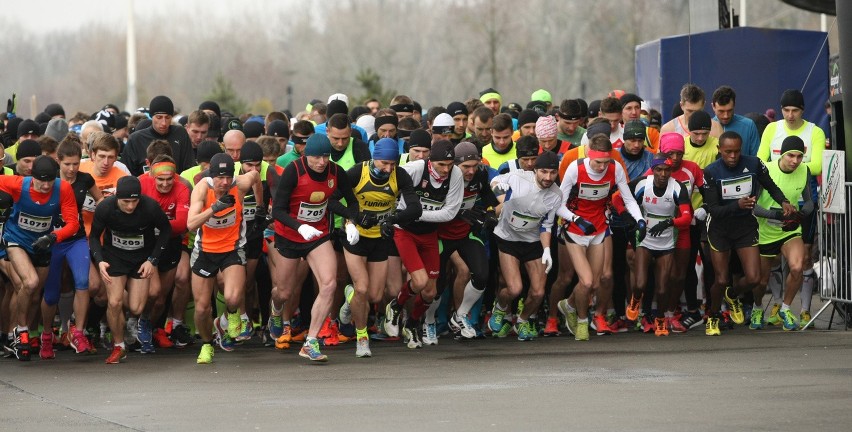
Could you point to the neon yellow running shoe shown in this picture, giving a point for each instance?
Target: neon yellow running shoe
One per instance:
(736, 308)
(774, 318)
(206, 354)
(582, 331)
(235, 325)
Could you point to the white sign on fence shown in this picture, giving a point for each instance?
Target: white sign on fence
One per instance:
(832, 197)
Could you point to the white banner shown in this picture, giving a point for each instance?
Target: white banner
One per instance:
(832, 197)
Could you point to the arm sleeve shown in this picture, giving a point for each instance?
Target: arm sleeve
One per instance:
(766, 181)
(12, 185)
(554, 201)
(568, 182)
(98, 223)
(413, 209)
(817, 148)
(161, 221)
(808, 206)
(765, 213)
(684, 217)
(486, 194)
(68, 206)
(178, 224)
(281, 203)
(345, 188)
(626, 195)
(452, 203)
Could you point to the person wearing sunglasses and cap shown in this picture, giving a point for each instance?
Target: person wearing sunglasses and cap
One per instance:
(126, 251)
(29, 236)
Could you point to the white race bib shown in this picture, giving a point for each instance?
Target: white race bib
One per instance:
(249, 210)
(468, 202)
(736, 188)
(38, 224)
(89, 203)
(225, 221)
(312, 212)
(430, 205)
(593, 191)
(128, 242)
(523, 222)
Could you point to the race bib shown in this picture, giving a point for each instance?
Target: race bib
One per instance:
(312, 212)
(37, 224)
(593, 191)
(523, 222)
(430, 205)
(128, 242)
(249, 210)
(89, 203)
(736, 188)
(468, 202)
(224, 221)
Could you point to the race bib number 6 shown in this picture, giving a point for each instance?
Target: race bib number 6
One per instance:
(736, 188)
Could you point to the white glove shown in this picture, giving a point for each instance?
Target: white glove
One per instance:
(700, 214)
(308, 232)
(547, 260)
(352, 235)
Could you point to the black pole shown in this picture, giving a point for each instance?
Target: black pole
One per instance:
(844, 33)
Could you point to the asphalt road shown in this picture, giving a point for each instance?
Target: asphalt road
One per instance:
(744, 380)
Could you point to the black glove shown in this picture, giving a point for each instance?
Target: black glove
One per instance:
(473, 216)
(490, 220)
(10, 107)
(386, 228)
(790, 225)
(641, 229)
(587, 227)
(661, 226)
(260, 222)
(367, 220)
(223, 203)
(44, 243)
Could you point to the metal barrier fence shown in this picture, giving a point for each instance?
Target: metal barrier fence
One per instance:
(835, 252)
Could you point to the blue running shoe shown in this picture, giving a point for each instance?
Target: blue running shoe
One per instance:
(144, 336)
(495, 323)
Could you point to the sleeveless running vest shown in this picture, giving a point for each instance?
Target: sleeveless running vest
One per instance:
(30, 220)
(658, 208)
(588, 198)
(309, 201)
(224, 231)
(431, 198)
(376, 199)
(792, 184)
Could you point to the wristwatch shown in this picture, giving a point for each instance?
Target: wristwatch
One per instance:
(154, 261)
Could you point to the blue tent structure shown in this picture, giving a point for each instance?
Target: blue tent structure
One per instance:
(758, 63)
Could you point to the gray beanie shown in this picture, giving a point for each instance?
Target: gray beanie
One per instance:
(57, 129)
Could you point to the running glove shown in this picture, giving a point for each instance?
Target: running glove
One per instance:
(223, 203)
(547, 260)
(587, 227)
(386, 228)
(43, 243)
(308, 232)
(352, 235)
(661, 226)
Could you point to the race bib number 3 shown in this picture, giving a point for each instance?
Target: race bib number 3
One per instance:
(736, 188)
(592, 191)
(32, 223)
(128, 242)
(312, 212)
(523, 222)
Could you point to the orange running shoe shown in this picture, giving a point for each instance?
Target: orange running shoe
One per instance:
(161, 339)
(660, 328)
(633, 308)
(283, 341)
(118, 354)
(601, 326)
(552, 327)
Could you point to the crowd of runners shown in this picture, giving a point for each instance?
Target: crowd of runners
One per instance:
(349, 223)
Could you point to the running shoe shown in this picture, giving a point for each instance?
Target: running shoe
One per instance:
(106, 337)
(735, 306)
(65, 339)
(691, 320)
(647, 324)
(235, 325)
(570, 316)
(181, 337)
(144, 336)
(600, 325)
(660, 328)
(20, 345)
(504, 331)
(712, 327)
(226, 343)
(78, 341)
(275, 326)
(788, 320)
(581, 333)
(430, 334)
(804, 318)
(283, 341)
(551, 328)
(298, 334)
(774, 317)
(756, 321)
(726, 321)
(161, 339)
(310, 350)
(392, 315)
(206, 354)
(246, 330)
(619, 325)
(633, 307)
(461, 326)
(329, 334)
(495, 323)
(525, 331)
(362, 348)
(675, 325)
(411, 337)
(345, 314)
(117, 355)
(46, 350)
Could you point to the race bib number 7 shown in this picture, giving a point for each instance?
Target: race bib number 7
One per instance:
(523, 222)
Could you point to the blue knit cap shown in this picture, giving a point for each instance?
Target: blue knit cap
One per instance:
(386, 149)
